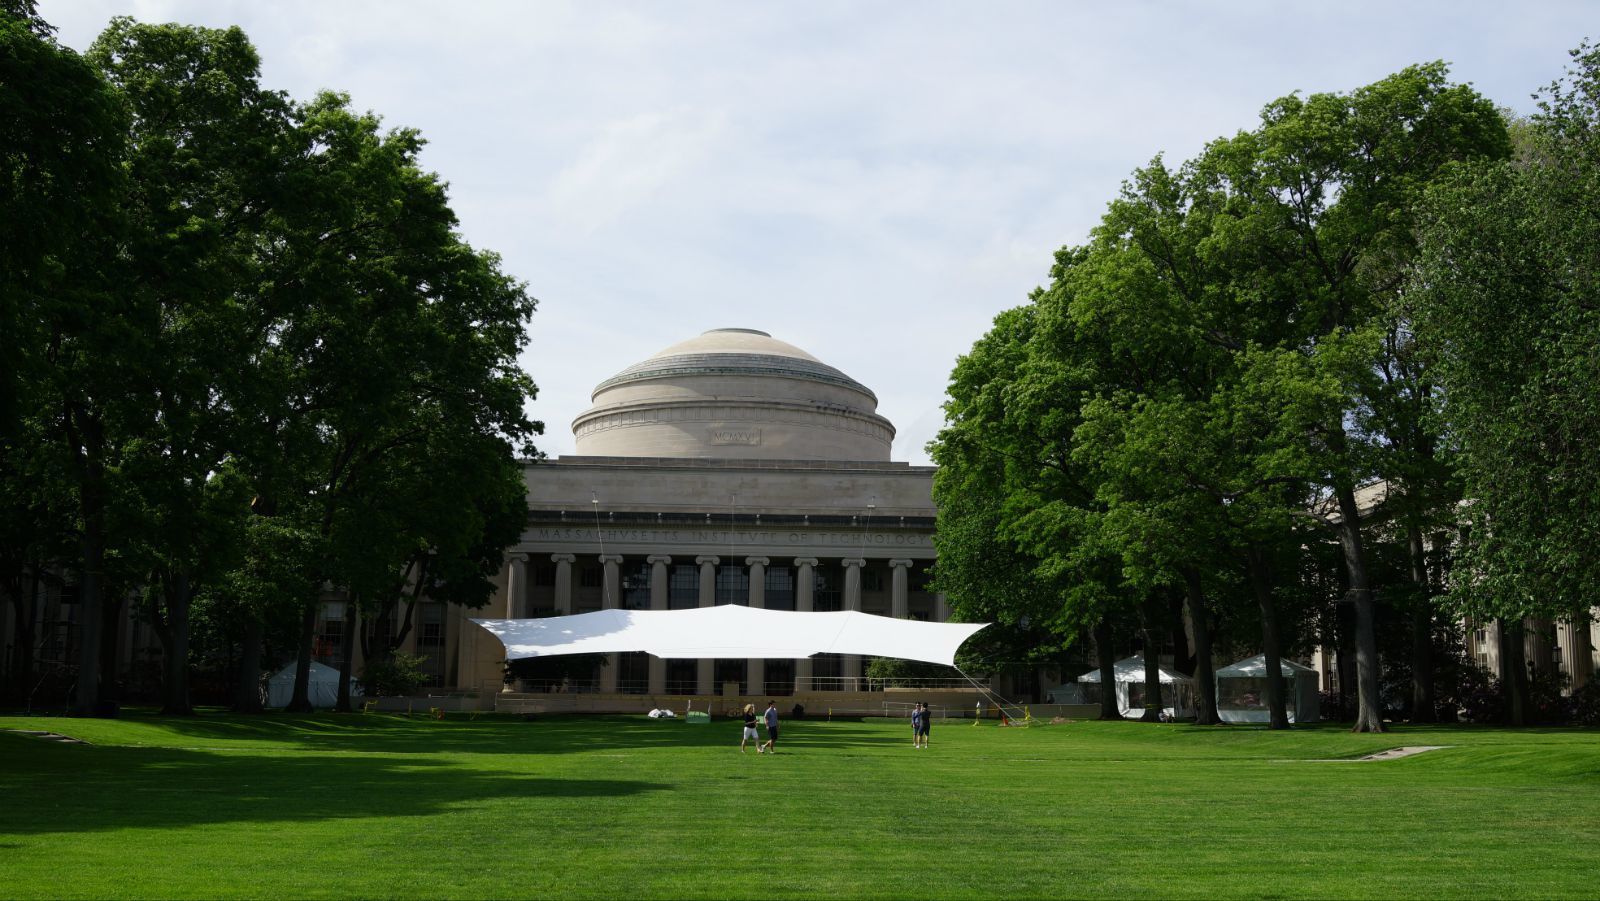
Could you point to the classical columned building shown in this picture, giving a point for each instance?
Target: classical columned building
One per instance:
(732, 468)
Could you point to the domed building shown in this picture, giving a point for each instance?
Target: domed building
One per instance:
(734, 393)
(730, 468)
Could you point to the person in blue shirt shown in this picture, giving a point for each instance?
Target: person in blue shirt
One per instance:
(917, 715)
(772, 727)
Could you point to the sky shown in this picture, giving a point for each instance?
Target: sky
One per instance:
(870, 181)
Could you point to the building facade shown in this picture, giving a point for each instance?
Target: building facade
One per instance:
(731, 468)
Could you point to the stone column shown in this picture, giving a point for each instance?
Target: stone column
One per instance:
(804, 588)
(610, 599)
(705, 669)
(755, 669)
(851, 664)
(1577, 656)
(658, 601)
(1537, 645)
(941, 608)
(516, 586)
(563, 564)
(899, 594)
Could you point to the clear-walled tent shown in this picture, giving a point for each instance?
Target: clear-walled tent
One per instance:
(1067, 693)
(1177, 690)
(1242, 692)
(323, 688)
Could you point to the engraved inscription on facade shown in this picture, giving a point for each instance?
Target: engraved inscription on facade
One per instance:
(742, 537)
(750, 437)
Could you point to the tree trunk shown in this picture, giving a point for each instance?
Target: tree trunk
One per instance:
(301, 702)
(1205, 679)
(1152, 661)
(113, 607)
(1107, 659)
(1182, 659)
(1344, 639)
(1271, 638)
(85, 437)
(1369, 711)
(175, 688)
(348, 657)
(248, 699)
(86, 700)
(1514, 671)
(24, 637)
(1423, 708)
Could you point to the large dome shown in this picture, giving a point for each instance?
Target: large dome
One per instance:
(736, 393)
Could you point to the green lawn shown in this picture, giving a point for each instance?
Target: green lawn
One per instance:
(380, 806)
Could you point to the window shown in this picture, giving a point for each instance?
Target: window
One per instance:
(589, 576)
(871, 579)
(779, 588)
(544, 574)
(827, 588)
(636, 586)
(733, 585)
(683, 586)
(729, 671)
(430, 630)
(633, 673)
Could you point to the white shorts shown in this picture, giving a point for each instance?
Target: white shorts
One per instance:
(750, 732)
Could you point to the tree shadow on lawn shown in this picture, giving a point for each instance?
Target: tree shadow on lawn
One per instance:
(383, 733)
(74, 788)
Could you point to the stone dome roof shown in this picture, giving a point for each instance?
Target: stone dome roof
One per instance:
(734, 393)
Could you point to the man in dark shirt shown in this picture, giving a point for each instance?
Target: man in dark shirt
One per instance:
(772, 726)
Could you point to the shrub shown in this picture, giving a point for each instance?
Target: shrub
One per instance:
(1549, 705)
(396, 674)
(1586, 704)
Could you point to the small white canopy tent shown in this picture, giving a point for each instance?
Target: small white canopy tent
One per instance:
(731, 631)
(1242, 692)
(1176, 689)
(323, 688)
(1066, 693)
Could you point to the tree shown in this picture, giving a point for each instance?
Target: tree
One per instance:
(393, 335)
(205, 171)
(62, 132)
(1507, 286)
(1316, 229)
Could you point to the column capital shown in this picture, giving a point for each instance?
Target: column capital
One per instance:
(517, 557)
(900, 563)
(563, 558)
(610, 558)
(805, 561)
(757, 561)
(853, 561)
(703, 560)
(658, 558)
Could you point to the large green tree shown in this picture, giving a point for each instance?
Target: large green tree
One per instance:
(205, 163)
(1508, 286)
(62, 136)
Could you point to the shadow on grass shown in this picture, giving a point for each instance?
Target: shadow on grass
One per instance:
(50, 787)
(393, 734)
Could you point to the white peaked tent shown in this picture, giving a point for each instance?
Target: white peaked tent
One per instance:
(1242, 692)
(731, 631)
(1176, 689)
(323, 687)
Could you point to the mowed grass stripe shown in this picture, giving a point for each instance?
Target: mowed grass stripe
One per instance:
(341, 806)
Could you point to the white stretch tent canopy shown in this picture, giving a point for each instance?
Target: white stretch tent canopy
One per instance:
(731, 631)
(1129, 675)
(1242, 692)
(323, 689)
